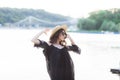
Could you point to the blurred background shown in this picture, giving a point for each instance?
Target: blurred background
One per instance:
(93, 24)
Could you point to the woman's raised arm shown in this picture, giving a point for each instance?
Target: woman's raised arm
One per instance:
(35, 38)
(74, 47)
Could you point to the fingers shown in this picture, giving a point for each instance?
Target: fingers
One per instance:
(68, 36)
(46, 30)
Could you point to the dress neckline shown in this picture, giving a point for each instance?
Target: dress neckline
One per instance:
(58, 46)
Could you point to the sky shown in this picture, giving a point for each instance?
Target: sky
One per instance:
(73, 8)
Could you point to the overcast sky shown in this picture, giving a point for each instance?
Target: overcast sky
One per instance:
(73, 8)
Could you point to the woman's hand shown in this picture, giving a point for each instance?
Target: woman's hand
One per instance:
(46, 31)
(68, 36)
(71, 40)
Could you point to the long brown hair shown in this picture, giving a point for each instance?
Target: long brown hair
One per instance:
(53, 39)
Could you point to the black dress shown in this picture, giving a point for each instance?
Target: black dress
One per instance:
(59, 63)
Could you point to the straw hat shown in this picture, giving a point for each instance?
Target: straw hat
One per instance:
(64, 27)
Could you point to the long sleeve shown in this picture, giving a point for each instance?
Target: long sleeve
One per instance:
(42, 44)
(45, 46)
(74, 48)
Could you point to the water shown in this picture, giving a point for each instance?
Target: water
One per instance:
(19, 60)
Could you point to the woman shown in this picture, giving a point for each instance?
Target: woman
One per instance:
(59, 63)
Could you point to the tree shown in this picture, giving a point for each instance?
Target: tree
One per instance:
(87, 24)
(118, 27)
(108, 26)
(104, 20)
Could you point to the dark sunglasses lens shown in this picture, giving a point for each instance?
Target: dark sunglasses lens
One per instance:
(63, 33)
(65, 36)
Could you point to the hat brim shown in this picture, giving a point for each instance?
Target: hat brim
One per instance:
(64, 27)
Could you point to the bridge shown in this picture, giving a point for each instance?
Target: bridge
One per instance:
(35, 22)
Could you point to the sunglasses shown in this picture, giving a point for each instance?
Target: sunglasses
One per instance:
(64, 34)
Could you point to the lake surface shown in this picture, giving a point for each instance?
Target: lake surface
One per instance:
(19, 60)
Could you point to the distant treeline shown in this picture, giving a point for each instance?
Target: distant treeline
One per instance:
(102, 20)
(12, 15)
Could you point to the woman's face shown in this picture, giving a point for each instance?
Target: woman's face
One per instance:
(62, 35)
